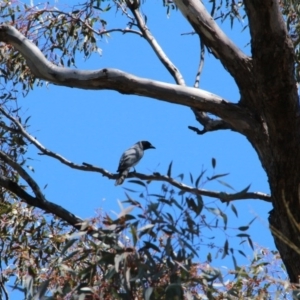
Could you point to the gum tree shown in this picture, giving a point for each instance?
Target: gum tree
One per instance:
(39, 44)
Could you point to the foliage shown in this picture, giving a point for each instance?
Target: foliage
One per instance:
(146, 252)
(151, 254)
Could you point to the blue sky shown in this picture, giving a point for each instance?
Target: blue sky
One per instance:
(97, 126)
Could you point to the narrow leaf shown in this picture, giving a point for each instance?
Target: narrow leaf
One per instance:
(241, 194)
(199, 178)
(149, 245)
(191, 178)
(170, 169)
(225, 249)
(213, 162)
(250, 242)
(234, 210)
(217, 176)
(137, 182)
(242, 235)
(243, 228)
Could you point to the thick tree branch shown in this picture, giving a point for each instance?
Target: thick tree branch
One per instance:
(112, 79)
(273, 62)
(173, 70)
(232, 58)
(34, 186)
(265, 21)
(41, 203)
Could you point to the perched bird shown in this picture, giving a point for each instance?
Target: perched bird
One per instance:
(130, 158)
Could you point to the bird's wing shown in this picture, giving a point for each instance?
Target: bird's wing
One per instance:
(130, 158)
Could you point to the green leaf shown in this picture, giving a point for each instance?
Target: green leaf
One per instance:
(199, 178)
(170, 169)
(217, 176)
(177, 204)
(234, 210)
(243, 235)
(243, 228)
(200, 204)
(215, 211)
(146, 227)
(191, 178)
(242, 192)
(250, 242)
(226, 184)
(181, 176)
(213, 162)
(182, 192)
(234, 263)
(225, 249)
(149, 245)
(137, 182)
(225, 219)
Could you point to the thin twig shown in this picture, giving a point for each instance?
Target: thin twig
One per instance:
(201, 64)
(126, 30)
(208, 123)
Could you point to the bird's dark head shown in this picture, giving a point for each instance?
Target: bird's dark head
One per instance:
(147, 145)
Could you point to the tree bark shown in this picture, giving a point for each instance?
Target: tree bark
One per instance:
(276, 100)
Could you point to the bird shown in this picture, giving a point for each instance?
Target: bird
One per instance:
(130, 158)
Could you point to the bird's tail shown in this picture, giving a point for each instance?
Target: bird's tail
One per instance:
(122, 177)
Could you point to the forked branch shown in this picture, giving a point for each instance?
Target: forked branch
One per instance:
(40, 203)
(173, 70)
(112, 79)
(233, 59)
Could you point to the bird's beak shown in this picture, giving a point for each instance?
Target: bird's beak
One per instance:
(152, 147)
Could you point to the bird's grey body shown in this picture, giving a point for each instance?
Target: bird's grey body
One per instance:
(130, 158)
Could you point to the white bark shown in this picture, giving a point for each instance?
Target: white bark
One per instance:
(233, 59)
(125, 83)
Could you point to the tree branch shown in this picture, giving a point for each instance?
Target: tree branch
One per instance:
(40, 203)
(208, 123)
(173, 70)
(126, 30)
(224, 197)
(34, 186)
(201, 64)
(233, 59)
(272, 50)
(112, 79)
